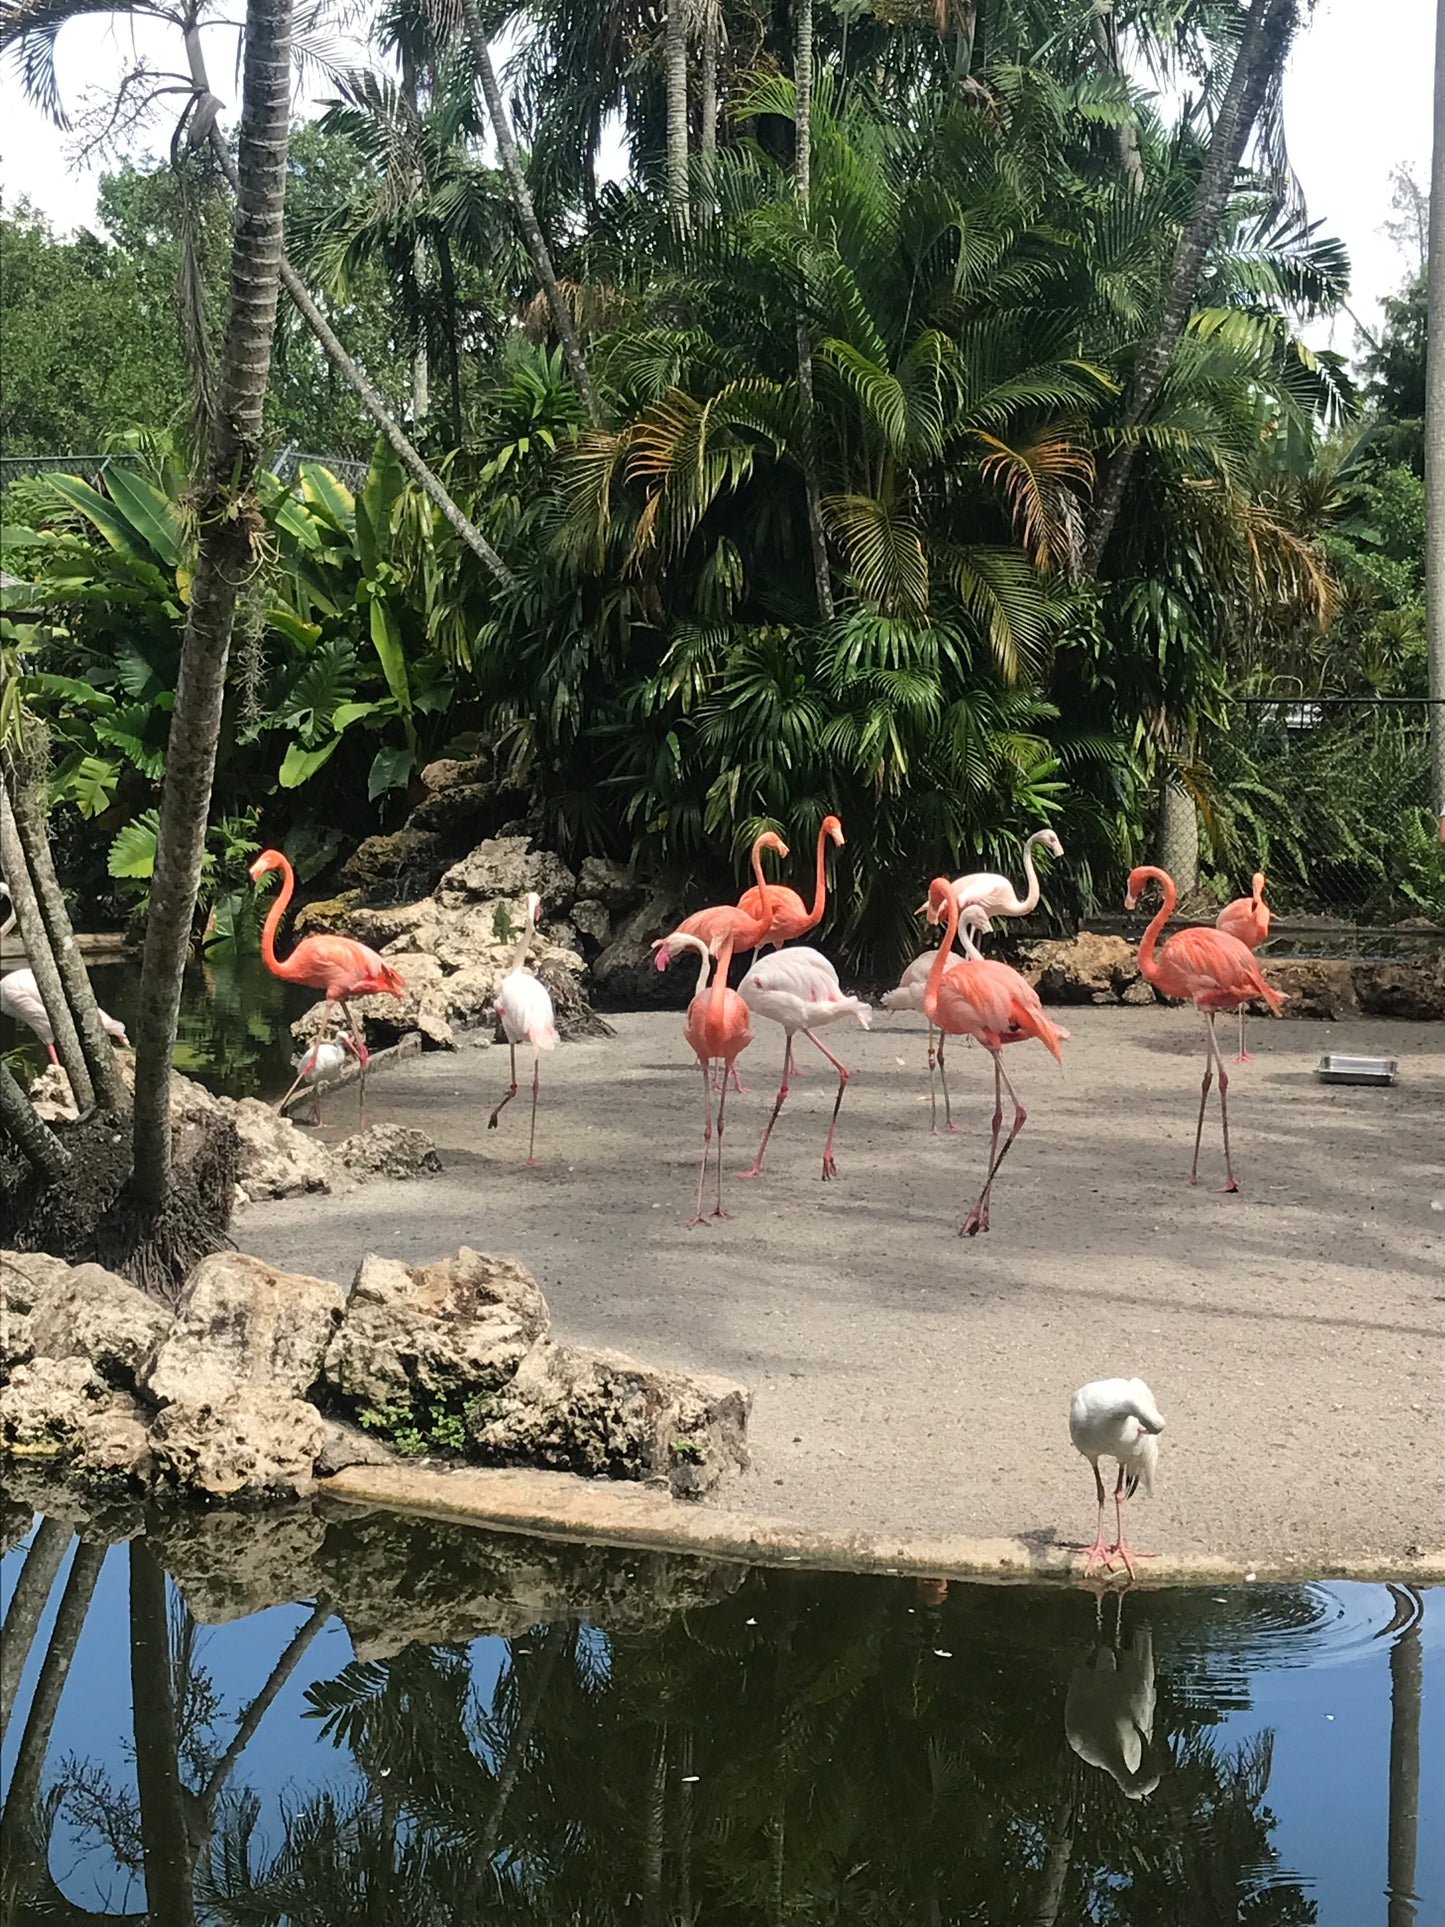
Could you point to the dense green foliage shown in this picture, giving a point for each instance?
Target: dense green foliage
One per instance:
(975, 273)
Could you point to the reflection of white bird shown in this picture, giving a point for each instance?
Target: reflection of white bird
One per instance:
(1109, 1712)
(321, 1067)
(1116, 1418)
(996, 894)
(527, 1016)
(799, 989)
(20, 998)
(909, 996)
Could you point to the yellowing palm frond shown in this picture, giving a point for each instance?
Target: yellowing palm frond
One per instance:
(1041, 480)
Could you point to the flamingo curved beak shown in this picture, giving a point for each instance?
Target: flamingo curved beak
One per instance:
(1130, 899)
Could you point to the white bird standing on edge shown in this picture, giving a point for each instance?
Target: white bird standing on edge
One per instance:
(799, 989)
(320, 1068)
(1116, 1418)
(527, 1017)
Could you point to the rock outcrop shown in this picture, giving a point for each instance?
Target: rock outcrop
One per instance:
(263, 1380)
(389, 1151)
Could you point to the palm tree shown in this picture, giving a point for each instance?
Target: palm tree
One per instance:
(674, 60)
(802, 174)
(1435, 429)
(230, 521)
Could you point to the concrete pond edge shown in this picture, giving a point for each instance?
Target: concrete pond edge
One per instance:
(560, 1505)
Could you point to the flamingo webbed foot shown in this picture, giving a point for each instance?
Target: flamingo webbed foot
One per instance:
(1231, 1186)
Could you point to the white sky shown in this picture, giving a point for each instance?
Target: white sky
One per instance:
(1357, 104)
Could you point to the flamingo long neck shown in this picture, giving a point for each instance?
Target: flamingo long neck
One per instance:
(1030, 902)
(719, 977)
(524, 942)
(820, 883)
(941, 961)
(278, 966)
(1256, 890)
(704, 957)
(765, 901)
(967, 937)
(1148, 965)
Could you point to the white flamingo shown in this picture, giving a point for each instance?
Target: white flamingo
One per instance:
(527, 1017)
(908, 995)
(996, 894)
(322, 1065)
(20, 996)
(799, 989)
(1116, 1418)
(1109, 1710)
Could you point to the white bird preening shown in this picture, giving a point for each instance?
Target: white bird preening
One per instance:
(1109, 1709)
(909, 996)
(527, 1017)
(799, 989)
(996, 894)
(1116, 1418)
(20, 998)
(322, 1065)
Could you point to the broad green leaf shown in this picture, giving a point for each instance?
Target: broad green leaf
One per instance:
(385, 480)
(97, 509)
(386, 639)
(390, 770)
(150, 514)
(349, 713)
(291, 516)
(133, 850)
(321, 488)
(87, 781)
(69, 689)
(300, 765)
(301, 635)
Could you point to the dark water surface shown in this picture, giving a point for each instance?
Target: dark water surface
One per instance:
(329, 1717)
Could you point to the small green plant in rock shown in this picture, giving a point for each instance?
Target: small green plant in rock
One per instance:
(397, 1425)
(686, 1451)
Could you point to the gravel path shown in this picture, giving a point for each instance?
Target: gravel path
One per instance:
(907, 1379)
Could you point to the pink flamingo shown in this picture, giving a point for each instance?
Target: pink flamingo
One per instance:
(981, 998)
(908, 995)
(1216, 972)
(339, 967)
(1248, 919)
(718, 1029)
(799, 989)
(746, 927)
(791, 917)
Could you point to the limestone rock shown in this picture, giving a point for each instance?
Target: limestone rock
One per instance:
(258, 1439)
(1315, 988)
(625, 973)
(1413, 989)
(508, 867)
(399, 867)
(92, 1314)
(27, 1278)
(457, 815)
(593, 922)
(449, 773)
(610, 884)
(389, 1151)
(604, 1414)
(113, 1443)
(346, 1445)
(454, 1328)
(47, 1403)
(327, 915)
(1086, 969)
(278, 1159)
(243, 1324)
(52, 1098)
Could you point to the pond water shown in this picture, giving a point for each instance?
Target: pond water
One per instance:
(390, 1722)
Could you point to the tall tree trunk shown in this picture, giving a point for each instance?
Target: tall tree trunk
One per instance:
(447, 271)
(708, 58)
(27, 1607)
(674, 48)
(1406, 1683)
(27, 796)
(803, 166)
(527, 213)
(1055, 1874)
(1126, 135)
(1260, 56)
(230, 522)
(35, 1141)
(42, 959)
(1178, 832)
(169, 1854)
(1435, 433)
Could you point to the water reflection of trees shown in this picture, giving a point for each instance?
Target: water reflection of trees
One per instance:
(806, 1749)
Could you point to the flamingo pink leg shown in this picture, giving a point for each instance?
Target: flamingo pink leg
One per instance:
(1120, 1548)
(778, 1103)
(1098, 1550)
(718, 1211)
(932, 1093)
(949, 1126)
(357, 1038)
(1212, 1059)
(830, 1168)
(977, 1219)
(1245, 1056)
(536, 1082)
(52, 1054)
(697, 1217)
(511, 1093)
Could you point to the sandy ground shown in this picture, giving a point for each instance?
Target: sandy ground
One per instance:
(910, 1380)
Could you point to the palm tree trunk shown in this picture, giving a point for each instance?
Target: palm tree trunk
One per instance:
(1435, 430)
(527, 213)
(1406, 1669)
(34, 834)
(230, 521)
(708, 81)
(802, 168)
(42, 959)
(27, 1606)
(1262, 49)
(447, 272)
(1126, 135)
(1178, 832)
(675, 73)
(35, 1141)
(169, 1856)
